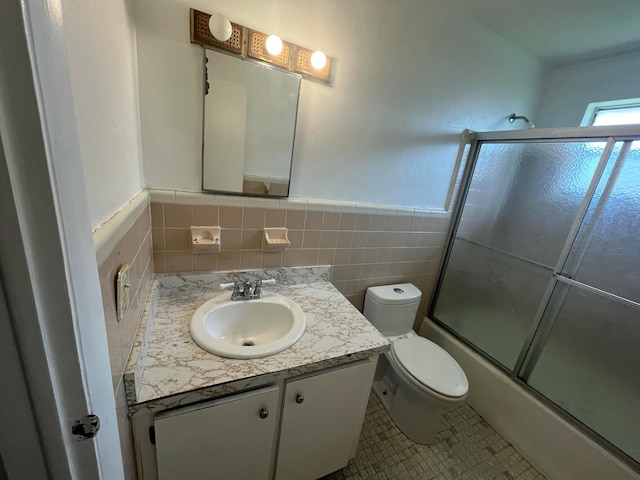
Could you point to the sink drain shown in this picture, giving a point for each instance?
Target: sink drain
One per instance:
(248, 343)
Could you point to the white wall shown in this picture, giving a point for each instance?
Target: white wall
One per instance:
(573, 88)
(408, 78)
(102, 60)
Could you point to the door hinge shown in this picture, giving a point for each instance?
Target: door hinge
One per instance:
(85, 427)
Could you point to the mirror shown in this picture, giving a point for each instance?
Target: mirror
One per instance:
(249, 126)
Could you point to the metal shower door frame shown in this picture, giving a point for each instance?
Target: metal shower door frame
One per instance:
(544, 319)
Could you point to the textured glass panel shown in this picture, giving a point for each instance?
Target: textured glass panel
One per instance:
(590, 366)
(524, 196)
(490, 299)
(488, 190)
(521, 204)
(608, 256)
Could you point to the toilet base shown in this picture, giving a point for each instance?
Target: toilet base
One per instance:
(413, 416)
(383, 394)
(417, 415)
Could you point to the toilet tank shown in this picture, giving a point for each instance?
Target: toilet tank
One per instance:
(392, 308)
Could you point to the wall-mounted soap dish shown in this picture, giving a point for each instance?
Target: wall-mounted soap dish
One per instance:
(205, 240)
(275, 239)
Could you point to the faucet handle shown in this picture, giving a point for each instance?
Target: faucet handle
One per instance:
(235, 285)
(257, 290)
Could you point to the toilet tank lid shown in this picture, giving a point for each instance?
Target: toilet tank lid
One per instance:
(395, 294)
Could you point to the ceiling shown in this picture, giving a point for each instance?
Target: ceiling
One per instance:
(561, 32)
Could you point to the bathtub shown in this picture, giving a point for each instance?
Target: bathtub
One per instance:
(553, 446)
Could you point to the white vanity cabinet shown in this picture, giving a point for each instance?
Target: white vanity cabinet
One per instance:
(232, 437)
(303, 427)
(321, 420)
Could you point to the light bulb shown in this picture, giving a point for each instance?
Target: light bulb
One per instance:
(220, 27)
(318, 60)
(274, 45)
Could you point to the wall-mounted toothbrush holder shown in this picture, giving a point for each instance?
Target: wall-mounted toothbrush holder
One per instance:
(205, 240)
(275, 239)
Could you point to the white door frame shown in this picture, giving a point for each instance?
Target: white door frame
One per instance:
(48, 268)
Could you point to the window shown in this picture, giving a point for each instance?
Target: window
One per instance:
(616, 112)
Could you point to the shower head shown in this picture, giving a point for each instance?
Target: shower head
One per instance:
(513, 117)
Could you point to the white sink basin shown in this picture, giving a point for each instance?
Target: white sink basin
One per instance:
(247, 328)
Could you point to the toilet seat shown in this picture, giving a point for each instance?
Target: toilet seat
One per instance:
(430, 366)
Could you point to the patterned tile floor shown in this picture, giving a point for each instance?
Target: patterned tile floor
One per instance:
(466, 448)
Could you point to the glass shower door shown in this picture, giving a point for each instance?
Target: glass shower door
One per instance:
(520, 207)
(586, 356)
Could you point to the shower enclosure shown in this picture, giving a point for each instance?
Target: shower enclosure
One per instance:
(542, 271)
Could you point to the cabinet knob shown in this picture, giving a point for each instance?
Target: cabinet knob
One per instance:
(299, 398)
(264, 413)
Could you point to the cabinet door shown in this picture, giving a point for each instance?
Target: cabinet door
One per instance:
(321, 421)
(232, 437)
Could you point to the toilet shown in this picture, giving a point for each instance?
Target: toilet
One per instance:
(417, 380)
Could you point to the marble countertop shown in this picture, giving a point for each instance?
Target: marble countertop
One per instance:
(166, 362)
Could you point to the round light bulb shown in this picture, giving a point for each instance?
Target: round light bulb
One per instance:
(318, 60)
(220, 27)
(274, 44)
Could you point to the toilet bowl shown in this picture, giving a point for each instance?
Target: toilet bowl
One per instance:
(417, 380)
(430, 382)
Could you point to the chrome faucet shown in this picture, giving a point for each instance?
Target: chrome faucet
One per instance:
(250, 291)
(247, 290)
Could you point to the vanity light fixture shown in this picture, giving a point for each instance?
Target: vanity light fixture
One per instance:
(318, 60)
(215, 30)
(201, 33)
(220, 27)
(269, 48)
(274, 44)
(314, 64)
